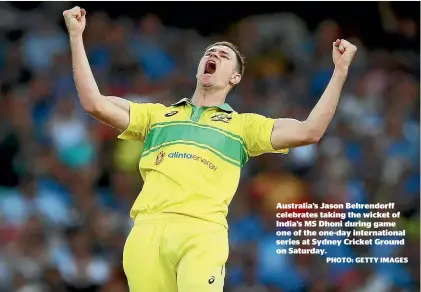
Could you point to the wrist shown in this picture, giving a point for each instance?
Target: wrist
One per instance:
(341, 72)
(75, 37)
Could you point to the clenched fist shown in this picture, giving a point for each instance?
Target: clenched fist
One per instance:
(342, 54)
(75, 21)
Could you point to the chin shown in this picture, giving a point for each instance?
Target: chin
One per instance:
(206, 81)
(206, 84)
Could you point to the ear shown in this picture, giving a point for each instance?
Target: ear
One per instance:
(235, 78)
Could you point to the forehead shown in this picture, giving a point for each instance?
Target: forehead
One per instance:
(222, 49)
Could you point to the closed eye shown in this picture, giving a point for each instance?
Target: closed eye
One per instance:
(224, 54)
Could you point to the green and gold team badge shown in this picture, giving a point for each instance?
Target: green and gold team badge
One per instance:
(221, 118)
(159, 157)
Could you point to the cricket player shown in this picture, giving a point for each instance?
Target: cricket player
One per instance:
(192, 155)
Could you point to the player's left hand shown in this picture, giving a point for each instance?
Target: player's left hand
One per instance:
(342, 54)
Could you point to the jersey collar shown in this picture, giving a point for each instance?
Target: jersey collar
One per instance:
(225, 107)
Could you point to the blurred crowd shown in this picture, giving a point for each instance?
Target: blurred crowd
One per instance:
(67, 183)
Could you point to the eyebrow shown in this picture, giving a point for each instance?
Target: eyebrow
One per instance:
(221, 50)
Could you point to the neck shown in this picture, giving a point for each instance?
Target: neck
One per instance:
(208, 97)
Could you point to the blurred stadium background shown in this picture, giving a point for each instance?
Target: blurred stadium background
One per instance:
(67, 184)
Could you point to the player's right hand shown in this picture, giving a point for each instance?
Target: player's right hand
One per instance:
(342, 54)
(75, 21)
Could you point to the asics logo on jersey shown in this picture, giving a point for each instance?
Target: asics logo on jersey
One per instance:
(211, 280)
(159, 157)
(221, 118)
(170, 114)
(179, 155)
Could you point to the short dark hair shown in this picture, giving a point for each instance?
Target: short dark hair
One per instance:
(241, 60)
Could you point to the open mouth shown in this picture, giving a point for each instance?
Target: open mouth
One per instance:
(210, 67)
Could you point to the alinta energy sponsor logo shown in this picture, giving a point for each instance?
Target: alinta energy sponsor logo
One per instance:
(179, 155)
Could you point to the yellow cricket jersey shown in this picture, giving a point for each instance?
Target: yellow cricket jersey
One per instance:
(192, 156)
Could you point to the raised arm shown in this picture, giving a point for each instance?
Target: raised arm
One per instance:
(289, 133)
(111, 110)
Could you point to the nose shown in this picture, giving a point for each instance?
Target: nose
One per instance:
(214, 55)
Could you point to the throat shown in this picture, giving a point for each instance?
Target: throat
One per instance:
(208, 98)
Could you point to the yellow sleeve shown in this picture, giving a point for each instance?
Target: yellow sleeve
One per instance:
(257, 132)
(140, 121)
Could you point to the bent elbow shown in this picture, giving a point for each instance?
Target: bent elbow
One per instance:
(313, 136)
(92, 105)
(90, 109)
(313, 139)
